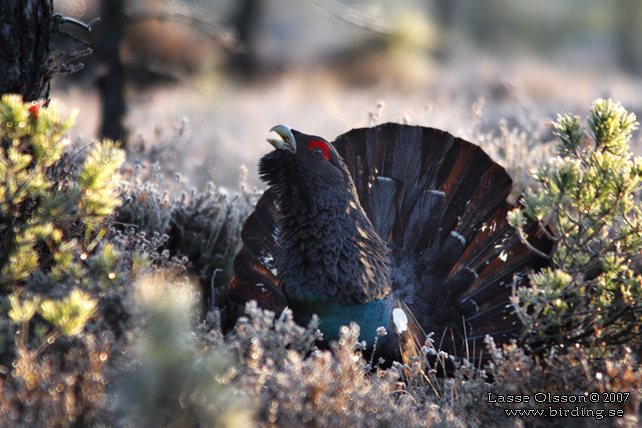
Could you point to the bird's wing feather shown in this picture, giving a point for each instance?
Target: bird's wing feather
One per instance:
(254, 273)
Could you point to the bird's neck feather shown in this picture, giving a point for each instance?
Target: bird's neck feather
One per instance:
(328, 246)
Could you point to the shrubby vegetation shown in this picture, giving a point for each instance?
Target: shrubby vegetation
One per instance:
(68, 268)
(102, 327)
(585, 200)
(54, 266)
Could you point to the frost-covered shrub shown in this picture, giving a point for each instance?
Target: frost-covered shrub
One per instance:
(585, 201)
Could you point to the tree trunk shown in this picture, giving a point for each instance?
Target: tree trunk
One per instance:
(246, 23)
(629, 35)
(111, 83)
(445, 11)
(25, 45)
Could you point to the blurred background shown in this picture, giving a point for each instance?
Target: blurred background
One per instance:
(196, 85)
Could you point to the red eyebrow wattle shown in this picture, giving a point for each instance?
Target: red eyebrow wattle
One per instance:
(323, 146)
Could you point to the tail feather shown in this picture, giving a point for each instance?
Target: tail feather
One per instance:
(451, 251)
(491, 194)
(493, 237)
(355, 155)
(420, 231)
(470, 166)
(487, 314)
(381, 206)
(406, 166)
(451, 214)
(496, 332)
(460, 282)
(497, 328)
(500, 272)
(402, 153)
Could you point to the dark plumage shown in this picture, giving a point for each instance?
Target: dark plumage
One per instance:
(396, 226)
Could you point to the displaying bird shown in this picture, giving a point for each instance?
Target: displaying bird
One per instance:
(395, 226)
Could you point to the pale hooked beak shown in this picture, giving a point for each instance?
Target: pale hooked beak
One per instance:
(287, 141)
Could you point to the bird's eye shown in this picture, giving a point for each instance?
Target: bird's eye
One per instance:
(319, 149)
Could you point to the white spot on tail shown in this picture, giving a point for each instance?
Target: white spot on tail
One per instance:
(266, 258)
(268, 262)
(387, 179)
(460, 238)
(400, 320)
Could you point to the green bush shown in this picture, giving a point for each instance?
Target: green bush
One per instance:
(44, 206)
(57, 272)
(69, 309)
(584, 200)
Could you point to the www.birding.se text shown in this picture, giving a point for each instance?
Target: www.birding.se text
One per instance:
(577, 412)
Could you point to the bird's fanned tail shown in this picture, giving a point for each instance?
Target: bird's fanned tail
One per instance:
(455, 256)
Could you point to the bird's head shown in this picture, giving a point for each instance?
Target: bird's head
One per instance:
(306, 160)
